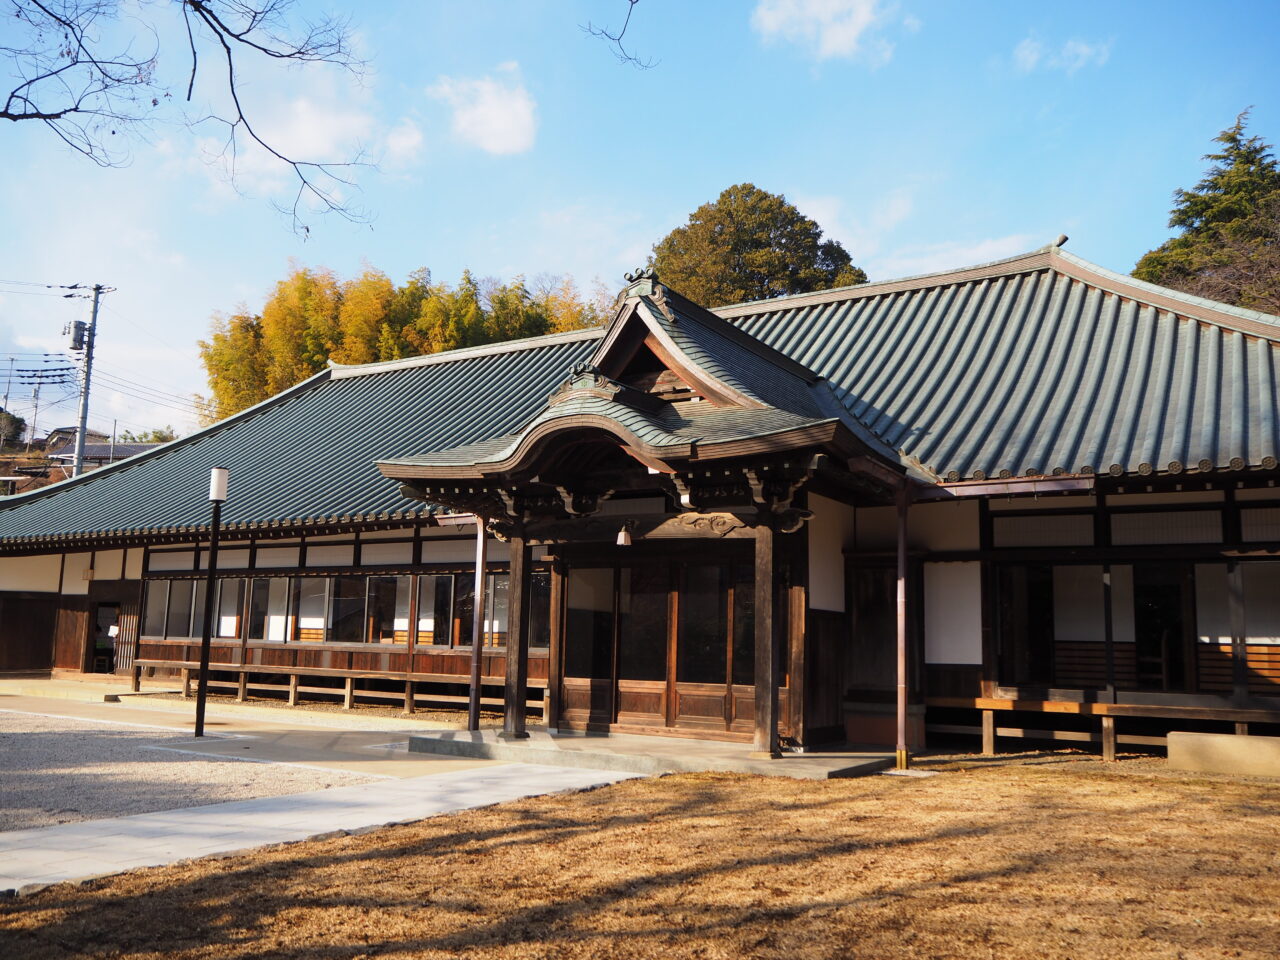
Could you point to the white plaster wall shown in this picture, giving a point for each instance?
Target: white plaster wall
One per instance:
(330, 556)
(133, 563)
(229, 559)
(1078, 613)
(1213, 614)
(1261, 602)
(275, 557)
(108, 564)
(177, 560)
(953, 613)
(74, 568)
(38, 573)
(930, 526)
(462, 551)
(830, 531)
(372, 554)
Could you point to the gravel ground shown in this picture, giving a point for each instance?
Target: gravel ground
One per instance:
(55, 770)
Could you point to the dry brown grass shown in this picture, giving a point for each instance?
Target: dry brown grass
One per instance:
(1048, 861)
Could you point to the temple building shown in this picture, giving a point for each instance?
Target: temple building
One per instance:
(1027, 497)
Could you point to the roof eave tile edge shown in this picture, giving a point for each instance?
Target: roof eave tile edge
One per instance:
(1029, 262)
(32, 495)
(340, 371)
(1166, 298)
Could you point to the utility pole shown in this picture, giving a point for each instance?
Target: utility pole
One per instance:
(35, 415)
(78, 462)
(5, 406)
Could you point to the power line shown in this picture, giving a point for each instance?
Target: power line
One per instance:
(161, 394)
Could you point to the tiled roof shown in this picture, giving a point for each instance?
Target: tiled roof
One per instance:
(1038, 364)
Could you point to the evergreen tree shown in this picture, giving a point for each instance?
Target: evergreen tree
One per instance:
(1230, 227)
(750, 245)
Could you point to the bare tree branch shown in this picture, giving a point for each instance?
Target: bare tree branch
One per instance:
(87, 90)
(621, 52)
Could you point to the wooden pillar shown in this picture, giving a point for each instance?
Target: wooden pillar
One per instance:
(1108, 634)
(477, 625)
(293, 689)
(136, 683)
(988, 733)
(517, 674)
(349, 694)
(1242, 729)
(766, 637)
(242, 687)
(1239, 647)
(1108, 739)
(555, 654)
(186, 682)
(903, 752)
(408, 697)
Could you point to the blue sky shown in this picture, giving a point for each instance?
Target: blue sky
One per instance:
(922, 135)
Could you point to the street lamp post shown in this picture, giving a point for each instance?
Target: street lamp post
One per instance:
(217, 494)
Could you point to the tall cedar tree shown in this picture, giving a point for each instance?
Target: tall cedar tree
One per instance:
(750, 245)
(312, 318)
(1229, 247)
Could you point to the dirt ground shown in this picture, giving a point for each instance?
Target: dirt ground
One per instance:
(1056, 856)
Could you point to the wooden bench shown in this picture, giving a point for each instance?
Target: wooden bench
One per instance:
(349, 691)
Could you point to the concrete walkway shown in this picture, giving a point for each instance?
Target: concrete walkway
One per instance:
(32, 859)
(648, 754)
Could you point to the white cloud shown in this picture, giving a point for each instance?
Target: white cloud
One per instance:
(1072, 56)
(829, 28)
(932, 258)
(302, 128)
(403, 144)
(495, 113)
(861, 236)
(1027, 54)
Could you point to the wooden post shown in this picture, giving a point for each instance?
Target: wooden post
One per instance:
(477, 626)
(293, 689)
(242, 688)
(349, 694)
(555, 655)
(186, 682)
(1108, 739)
(136, 683)
(1239, 633)
(903, 752)
(1108, 633)
(409, 704)
(988, 733)
(516, 695)
(1242, 729)
(766, 637)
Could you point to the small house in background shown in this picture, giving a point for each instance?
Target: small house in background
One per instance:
(1029, 496)
(98, 454)
(64, 438)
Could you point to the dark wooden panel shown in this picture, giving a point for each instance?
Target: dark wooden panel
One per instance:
(1084, 664)
(828, 636)
(1262, 667)
(953, 679)
(27, 626)
(587, 699)
(642, 702)
(71, 633)
(700, 703)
